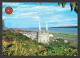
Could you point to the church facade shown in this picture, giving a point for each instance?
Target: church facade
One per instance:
(40, 36)
(43, 36)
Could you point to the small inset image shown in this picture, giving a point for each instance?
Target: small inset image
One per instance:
(8, 10)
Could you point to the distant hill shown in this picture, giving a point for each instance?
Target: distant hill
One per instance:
(66, 27)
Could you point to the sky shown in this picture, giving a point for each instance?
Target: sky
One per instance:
(27, 15)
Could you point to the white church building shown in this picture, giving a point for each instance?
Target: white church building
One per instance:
(43, 36)
(40, 36)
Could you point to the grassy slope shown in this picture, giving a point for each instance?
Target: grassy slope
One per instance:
(22, 45)
(65, 35)
(17, 42)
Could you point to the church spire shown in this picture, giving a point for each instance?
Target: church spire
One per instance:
(39, 26)
(46, 27)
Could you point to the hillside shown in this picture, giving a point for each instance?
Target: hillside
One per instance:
(16, 44)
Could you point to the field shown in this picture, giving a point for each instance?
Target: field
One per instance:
(65, 35)
(16, 44)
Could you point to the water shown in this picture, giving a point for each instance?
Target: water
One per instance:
(64, 30)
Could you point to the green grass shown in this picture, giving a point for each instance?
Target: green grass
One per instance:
(65, 35)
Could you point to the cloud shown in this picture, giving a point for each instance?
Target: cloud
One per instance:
(37, 18)
(22, 13)
(30, 13)
(8, 17)
(41, 8)
(4, 17)
(50, 8)
(62, 24)
(10, 4)
(22, 9)
(26, 5)
(62, 20)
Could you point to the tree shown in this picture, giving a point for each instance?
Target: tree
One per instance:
(73, 5)
(2, 23)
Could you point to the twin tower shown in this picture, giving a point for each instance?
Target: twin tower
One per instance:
(43, 36)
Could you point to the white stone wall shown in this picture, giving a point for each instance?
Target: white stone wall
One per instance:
(32, 35)
(40, 36)
(43, 37)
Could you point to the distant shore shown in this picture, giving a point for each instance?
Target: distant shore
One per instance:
(50, 30)
(66, 27)
(56, 34)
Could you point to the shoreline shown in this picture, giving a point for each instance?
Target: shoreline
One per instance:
(49, 31)
(58, 30)
(56, 34)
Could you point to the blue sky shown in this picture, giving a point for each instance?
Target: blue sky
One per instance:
(29, 14)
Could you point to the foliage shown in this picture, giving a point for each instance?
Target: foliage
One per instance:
(73, 5)
(16, 44)
(63, 5)
(2, 24)
(59, 48)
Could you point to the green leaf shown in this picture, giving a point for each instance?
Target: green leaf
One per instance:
(63, 5)
(59, 4)
(73, 5)
(40, 3)
(76, 9)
